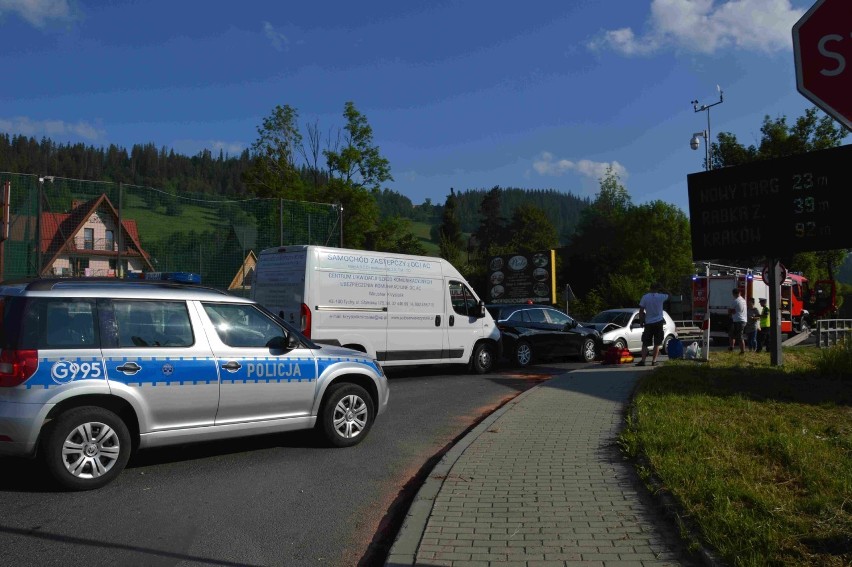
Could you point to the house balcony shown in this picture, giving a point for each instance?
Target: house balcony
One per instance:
(84, 273)
(97, 247)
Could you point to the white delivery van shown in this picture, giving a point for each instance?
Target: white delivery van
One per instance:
(400, 309)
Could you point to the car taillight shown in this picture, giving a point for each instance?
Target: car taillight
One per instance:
(16, 366)
(305, 320)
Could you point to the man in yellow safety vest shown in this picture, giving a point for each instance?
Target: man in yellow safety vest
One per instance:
(763, 333)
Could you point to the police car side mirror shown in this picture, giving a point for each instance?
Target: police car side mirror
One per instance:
(288, 342)
(293, 341)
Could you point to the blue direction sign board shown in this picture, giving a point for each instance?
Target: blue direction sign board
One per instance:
(774, 207)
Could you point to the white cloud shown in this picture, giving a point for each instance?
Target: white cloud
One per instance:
(547, 164)
(279, 40)
(25, 126)
(38, 12)
(706, 26)
(624, 41)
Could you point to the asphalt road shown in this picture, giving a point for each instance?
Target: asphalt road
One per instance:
(272, 500)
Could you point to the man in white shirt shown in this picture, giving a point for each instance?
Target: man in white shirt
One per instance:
(739, 316)
(651, 313)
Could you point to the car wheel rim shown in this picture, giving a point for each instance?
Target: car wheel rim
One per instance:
(524, 354)
(485, 358)
(589, 351)
(91, 450)
(350, 416)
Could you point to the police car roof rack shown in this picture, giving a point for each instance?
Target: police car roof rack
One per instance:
(47, 284)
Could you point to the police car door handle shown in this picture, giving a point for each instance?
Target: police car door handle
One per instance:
(437, 320)
(129, 368)
(452, 320)
(232, 366)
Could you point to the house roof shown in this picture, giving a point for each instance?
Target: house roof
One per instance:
(57, 229)
(245, 275)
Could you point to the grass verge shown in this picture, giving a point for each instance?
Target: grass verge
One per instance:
(758, 458)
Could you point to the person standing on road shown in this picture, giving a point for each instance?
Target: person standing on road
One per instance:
(651, 314)
(739, 316)
(763, 335)
(752, 327)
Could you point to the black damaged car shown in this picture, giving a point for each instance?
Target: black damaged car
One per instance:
(535, 332)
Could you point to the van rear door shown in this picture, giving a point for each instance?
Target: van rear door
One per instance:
(279, 282)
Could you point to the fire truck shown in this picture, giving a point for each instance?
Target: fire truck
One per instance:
(800, 304)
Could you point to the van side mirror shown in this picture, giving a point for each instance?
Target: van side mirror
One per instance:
(481, 309)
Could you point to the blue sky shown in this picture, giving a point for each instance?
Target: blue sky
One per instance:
(463, 94)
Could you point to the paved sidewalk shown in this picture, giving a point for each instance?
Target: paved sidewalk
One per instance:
(541, 482)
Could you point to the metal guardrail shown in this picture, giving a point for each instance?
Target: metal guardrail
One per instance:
(688, 331)
(833, 331)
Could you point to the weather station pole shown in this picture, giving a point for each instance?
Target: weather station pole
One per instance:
(694, 143)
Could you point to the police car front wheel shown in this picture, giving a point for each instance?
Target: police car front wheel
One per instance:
(86, 447)
(347, 414)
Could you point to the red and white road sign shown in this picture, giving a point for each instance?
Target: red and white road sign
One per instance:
(822, 45)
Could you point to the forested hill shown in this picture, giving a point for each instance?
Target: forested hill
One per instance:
(143, 165)
(221, 175)
(563, 209)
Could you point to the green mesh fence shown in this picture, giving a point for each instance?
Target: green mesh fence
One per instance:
(217, 239)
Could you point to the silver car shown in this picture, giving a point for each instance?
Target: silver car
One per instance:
(90, 370)
(622, 328)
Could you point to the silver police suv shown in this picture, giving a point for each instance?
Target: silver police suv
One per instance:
(91, 370)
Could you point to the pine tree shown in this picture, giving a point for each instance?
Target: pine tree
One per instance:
(450, 235)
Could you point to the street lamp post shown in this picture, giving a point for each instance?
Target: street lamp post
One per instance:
(39, 205)
(695, 141)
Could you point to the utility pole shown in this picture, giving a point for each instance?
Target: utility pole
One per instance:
(4, 233)
(341, 225)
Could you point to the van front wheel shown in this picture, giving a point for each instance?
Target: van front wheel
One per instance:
(482, 360)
